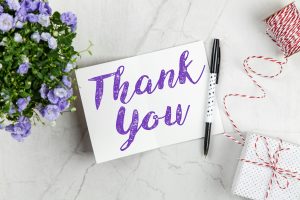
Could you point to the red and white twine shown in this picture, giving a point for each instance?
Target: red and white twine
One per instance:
(283, 27)
(249, 71)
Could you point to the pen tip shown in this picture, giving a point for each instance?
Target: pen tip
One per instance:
(205, 154)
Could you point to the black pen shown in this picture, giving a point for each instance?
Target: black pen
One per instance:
(213, 80)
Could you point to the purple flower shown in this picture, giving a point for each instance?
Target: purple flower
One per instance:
(20, 130)
(13, 4)
(36, 37)
(45, 36)
(50, 112)
(44, 91)
(69, 94)
(63, 105)
(18, 38)
(30, 5)
(69, 19)
(32, 18)
(69, 67)
(23, 68)
(22, 103)
(52, 43)
(44, 8)
(21, 14)
(60, 92)
(52, 97)
(1, 9)
(24, 120)
(18, 24)
(6, 22)
(44, 20)
(66, 81)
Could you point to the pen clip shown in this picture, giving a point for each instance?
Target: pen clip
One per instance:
(218, 64)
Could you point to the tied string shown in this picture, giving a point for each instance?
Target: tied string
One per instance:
(279, 175)
(283, 27)
(249, 71)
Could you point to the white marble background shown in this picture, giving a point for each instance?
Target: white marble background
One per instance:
(57, 163)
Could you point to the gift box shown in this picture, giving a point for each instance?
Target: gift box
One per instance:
(268, 168)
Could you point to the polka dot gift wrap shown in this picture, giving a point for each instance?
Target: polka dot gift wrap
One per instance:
(269, 168)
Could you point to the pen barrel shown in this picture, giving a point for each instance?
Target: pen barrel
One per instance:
(211, 97)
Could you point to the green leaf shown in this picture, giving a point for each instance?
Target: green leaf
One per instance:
(39, 75)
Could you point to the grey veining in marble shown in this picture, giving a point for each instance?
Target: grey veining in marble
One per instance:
(57, 163)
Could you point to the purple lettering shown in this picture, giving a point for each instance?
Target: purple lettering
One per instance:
(183, 73)
(118, 88)
(138, 84)
(178, 115)
(163, 76)
(134, 126)
(100, 87)
(124, 85)
(145, 123)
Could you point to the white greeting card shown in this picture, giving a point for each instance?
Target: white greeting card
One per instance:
(145, 102)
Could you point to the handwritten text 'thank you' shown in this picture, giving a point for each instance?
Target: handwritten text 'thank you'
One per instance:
(151, 120)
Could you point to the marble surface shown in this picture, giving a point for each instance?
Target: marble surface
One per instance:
(57, 163)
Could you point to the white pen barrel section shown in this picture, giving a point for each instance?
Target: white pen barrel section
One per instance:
(211, 97)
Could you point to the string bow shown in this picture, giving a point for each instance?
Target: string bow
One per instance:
(280, 176)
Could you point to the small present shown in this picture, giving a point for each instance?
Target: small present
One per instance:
(269, 168)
